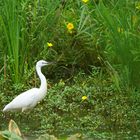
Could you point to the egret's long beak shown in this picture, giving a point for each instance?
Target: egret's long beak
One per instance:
(51, 63)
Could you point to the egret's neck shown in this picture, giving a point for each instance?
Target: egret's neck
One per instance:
(43, 86)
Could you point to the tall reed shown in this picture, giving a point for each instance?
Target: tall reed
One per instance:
(11, 31)
(122, 33)
(26, 26)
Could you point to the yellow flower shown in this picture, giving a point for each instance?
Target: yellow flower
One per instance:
(70, 26)
(49, 44)
(84, 98)
(85, 1)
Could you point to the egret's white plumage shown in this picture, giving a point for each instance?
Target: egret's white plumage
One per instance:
(29, 99)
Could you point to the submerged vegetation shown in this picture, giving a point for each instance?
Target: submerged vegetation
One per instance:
(94, 87)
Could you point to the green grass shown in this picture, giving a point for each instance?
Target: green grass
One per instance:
(101, 29)
(10, 25)
(121, 31)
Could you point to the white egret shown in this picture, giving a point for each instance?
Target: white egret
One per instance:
(28, 99)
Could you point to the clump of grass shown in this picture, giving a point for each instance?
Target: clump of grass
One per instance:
(121, 30)
(10, 24)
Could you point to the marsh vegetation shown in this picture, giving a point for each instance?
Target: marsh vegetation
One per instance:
(94, 87)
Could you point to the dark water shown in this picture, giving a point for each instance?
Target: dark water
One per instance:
(97, 135)
(29, 138)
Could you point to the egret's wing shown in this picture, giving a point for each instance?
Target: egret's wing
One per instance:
(25, 99)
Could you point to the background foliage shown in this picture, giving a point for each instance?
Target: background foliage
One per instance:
(98, 58)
